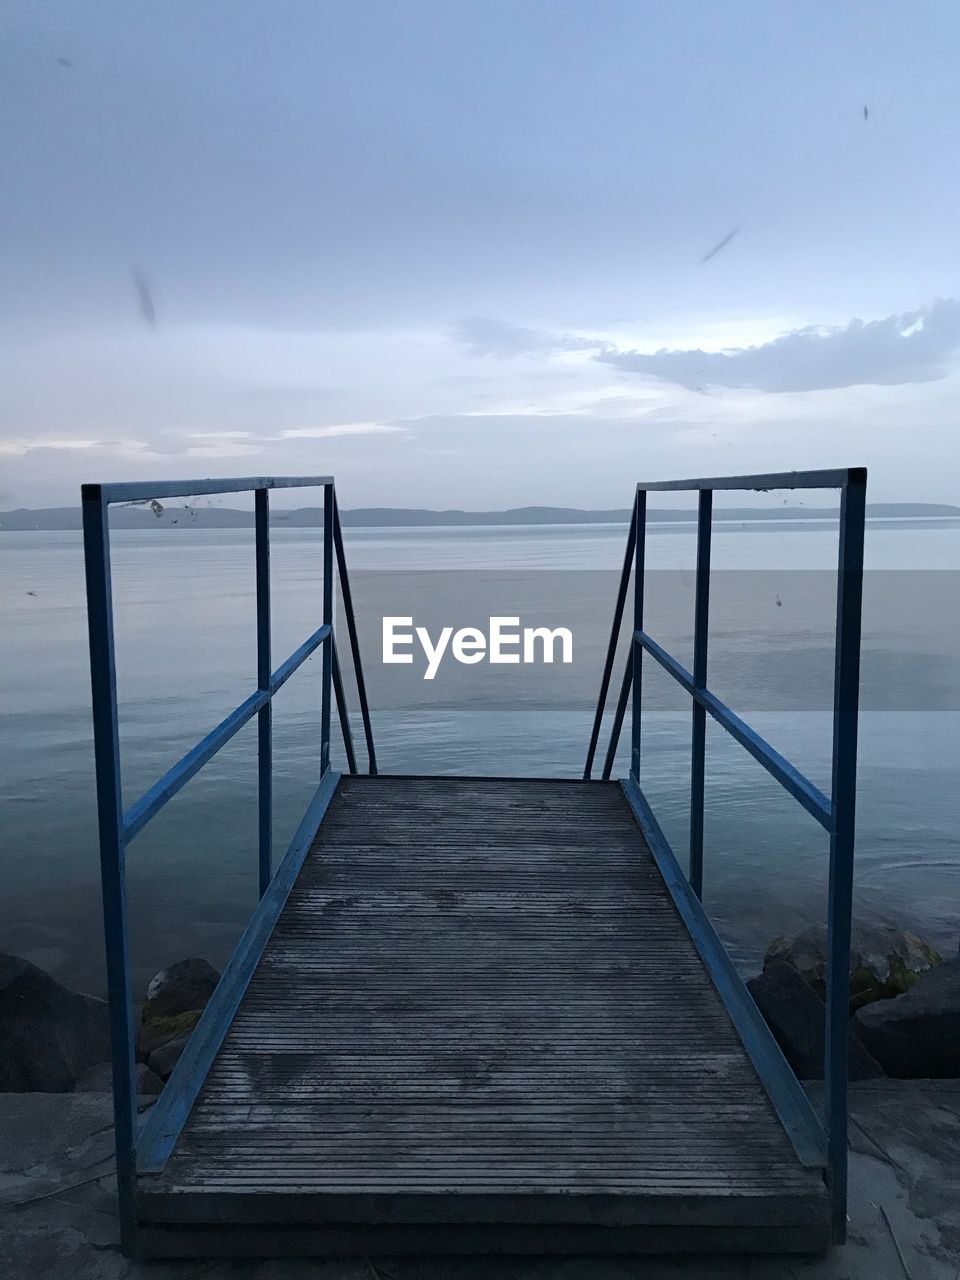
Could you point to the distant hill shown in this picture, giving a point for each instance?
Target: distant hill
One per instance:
(212, 517)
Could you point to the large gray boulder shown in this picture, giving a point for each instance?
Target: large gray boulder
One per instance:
(884, 962)
(796, 1015)
(917, 1036)
(184, 986)
(49, 1035)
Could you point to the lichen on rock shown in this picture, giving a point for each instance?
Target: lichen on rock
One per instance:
(884, 962)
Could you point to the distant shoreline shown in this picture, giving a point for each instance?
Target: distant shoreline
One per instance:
(66, 519)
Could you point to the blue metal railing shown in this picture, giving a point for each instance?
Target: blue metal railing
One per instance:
(836, 813)
(146, 1150)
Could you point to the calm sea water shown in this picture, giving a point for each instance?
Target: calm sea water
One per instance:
(184, 606)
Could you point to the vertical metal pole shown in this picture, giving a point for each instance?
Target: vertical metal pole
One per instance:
(628, 555)
(106, 742)
(265, 714)
(639, 560)
(625, 686)
(699, 737)
(351, 621)
(341, 698)
(846, 695)
(328, 620)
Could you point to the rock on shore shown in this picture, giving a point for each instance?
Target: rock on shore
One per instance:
(918, 1034)
(175, 1000)
(797, 1017)
(48, 1035)
(185, 986)
(884, 962)
(904, 1001)
(56, 1040)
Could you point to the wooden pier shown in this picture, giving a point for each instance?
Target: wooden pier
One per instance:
(480, 1024)
(478, 1015)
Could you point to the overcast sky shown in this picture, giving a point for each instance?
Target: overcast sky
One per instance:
(458, 253)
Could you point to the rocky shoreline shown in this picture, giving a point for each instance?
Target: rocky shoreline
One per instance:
(53, 1040)
(904, 1004)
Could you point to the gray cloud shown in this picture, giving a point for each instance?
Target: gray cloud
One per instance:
(915, 346)
(481, 336)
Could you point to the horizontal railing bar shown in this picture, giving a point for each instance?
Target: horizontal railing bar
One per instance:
(168, 1115)
(836, 479)
(297, 658)
(785, 1092)
(143, 490)
(150, 804)
(790, 778)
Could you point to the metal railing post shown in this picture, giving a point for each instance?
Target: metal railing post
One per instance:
(699, 733)
(835, 813)
(351, 621)
(612, 646)
(341, 697)
(265, 714)
(846, 694)
(327, 670)
(118, 828)
(625, 686)
(106, 741)
(639, 562)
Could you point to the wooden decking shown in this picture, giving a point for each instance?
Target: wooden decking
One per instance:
(481, 1025)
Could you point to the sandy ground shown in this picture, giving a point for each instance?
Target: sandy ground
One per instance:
(57, 1218)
